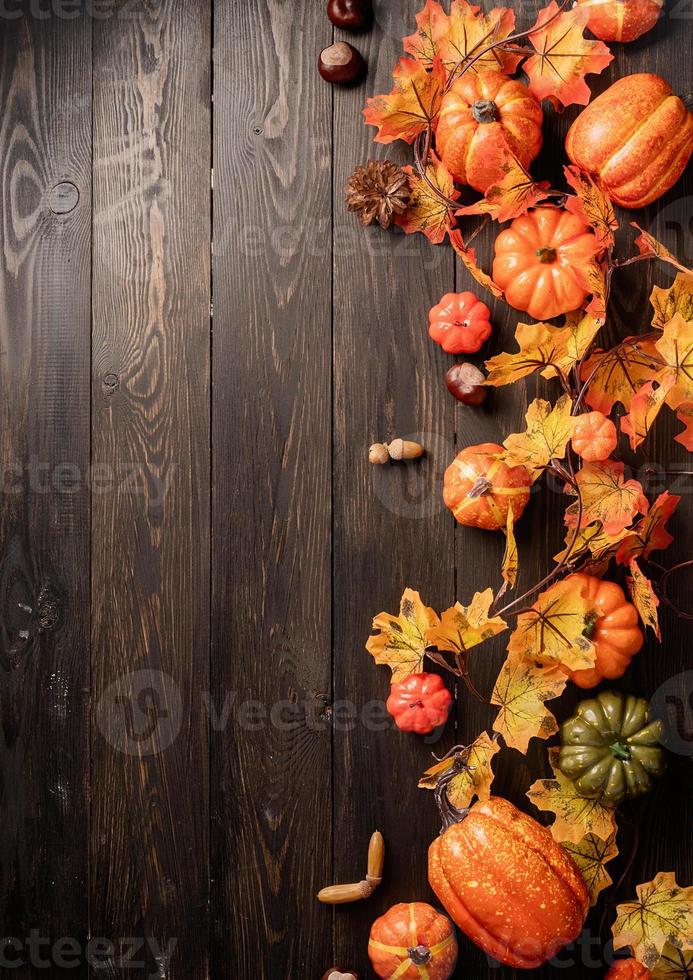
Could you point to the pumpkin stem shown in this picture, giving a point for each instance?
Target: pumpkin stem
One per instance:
(590, 626)
(481, 486)
(450, 814)
(485, 111)
(620, 750)
(419, 955)
(546, 255)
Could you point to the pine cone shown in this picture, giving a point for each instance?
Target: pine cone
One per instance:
(377, 192)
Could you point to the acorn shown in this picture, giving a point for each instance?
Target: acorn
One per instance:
(466, 382)
(341, 64)
(350, 15)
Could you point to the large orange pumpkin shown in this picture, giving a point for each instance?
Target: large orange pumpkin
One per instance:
(506, 883)
(483, 113)
(541, 262)
(614, 631)
(621, 20)
(481, 490)
(412, 940)
(637, 137)
(628, 970)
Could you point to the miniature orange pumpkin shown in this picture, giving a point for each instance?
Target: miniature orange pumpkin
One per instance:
(506, 882)
(541, 262)
(483, 113)
(413, 940)
(621, 20)
(594, 437)
(628, 970)
(637, 137)
(480, 490)
(614, 632)
(460, 323)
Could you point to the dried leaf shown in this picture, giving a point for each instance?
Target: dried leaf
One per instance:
(470, 31)
(431, 25)
(592, 546)
(426, 212)
(413, 104)
(571, 343)
(542, 348)
(552, 631)
(576, 817)
(512, 190)
(644, 598)
(617, 374)
(511, 558)
(462, 627)
(592, 205)
(675, 347)
(520, 691)
(645, 406)
(674, 964)
(663, 913)
(473, 781)
(678, 298)
(591, 855)
(564, 56)
(649, 534)
(607, 497)
(647, 244)
(401, 642)
(684, 413)
(548, 432)
(469, 260)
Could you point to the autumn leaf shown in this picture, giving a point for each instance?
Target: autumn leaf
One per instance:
(607, 497)
(678, 298)
(594, 280)
(541, 348)
(431, 25)
(401, 642)
(663, 913)
(511, 191)
(591, 205)
(548, 432)
(616, 375)
(552, 631)
(469, 260)
(413, 104)
(470, 31)
(644, 598)
(647, 244)
(520, 691)
(650, 533)
(462, 627)
(571, 343)
(426, 212)
(675, 347)
(510, 565)
(645, 406)
(684, 413)
(591, 855)
(474, 780)
(576, 817)
(674, 964)
(564, 56)
(592, 547)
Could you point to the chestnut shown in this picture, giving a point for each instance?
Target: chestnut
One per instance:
(341, 63)
(336, 973)
(350, 15)
(466, 383)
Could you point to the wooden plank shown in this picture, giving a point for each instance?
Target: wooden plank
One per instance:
(150, 553)
(45, 150)
(391, 527)
(271, 831)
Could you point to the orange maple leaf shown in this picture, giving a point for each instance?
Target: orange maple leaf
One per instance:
(592, 205)
(426, 211)
(413, 104)
(645, 406)
(564, 56)
(432, 24)
(470, 31)
(468, 257)
(649, 534)
(684, 413)
(648, 245)
(644, 598)
(617, 374)
(512, 190)
(607, 497)
(675, 347)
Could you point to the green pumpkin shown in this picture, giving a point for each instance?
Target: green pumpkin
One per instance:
(609, 749)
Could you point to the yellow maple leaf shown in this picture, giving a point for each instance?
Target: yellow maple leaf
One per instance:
(470, 31)
(644, 598)
(591, 855)
(426, 212)
(675, 346)
(575, 816)
(616, 375)
(678, 298)
(521, 690)
(607, 497)
(462, 627)
(548, 432)
(510, 565)
(413, 104)
(401, 642)
(474, 779)
(571, 343)
(542, 347)
(674, 964)
(552, 632)
(592, 546)
(592, 205)
(663, 913)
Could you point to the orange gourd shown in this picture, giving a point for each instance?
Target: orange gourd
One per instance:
(480, 490)
(621, 20)
(481, 115)
(414, 934)
(614, 632)
(594, 437)
(505, 882)
(541, 262)
(628, 970)
(636, 137)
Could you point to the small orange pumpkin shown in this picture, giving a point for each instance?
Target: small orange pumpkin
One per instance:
(483, 113)
(506, 882)
(614, 632)
(628, 970)
(541, 262)
(413, 940)
(621, 20)
(480, 490)
(637, 137)
(594, 437)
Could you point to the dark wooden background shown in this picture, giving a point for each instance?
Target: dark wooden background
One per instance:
(192, 542)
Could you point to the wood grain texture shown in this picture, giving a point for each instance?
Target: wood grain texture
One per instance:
(150, 549)
(45, 138)
(271, 567)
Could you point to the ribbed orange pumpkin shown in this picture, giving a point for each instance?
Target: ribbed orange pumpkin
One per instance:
(621, 20)
(628, 970)
(541, 262)
(413, 940)
(637, 137)
(480, 490)
(594, 436)
(507, 884)
(615, 632)
(481, 113)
